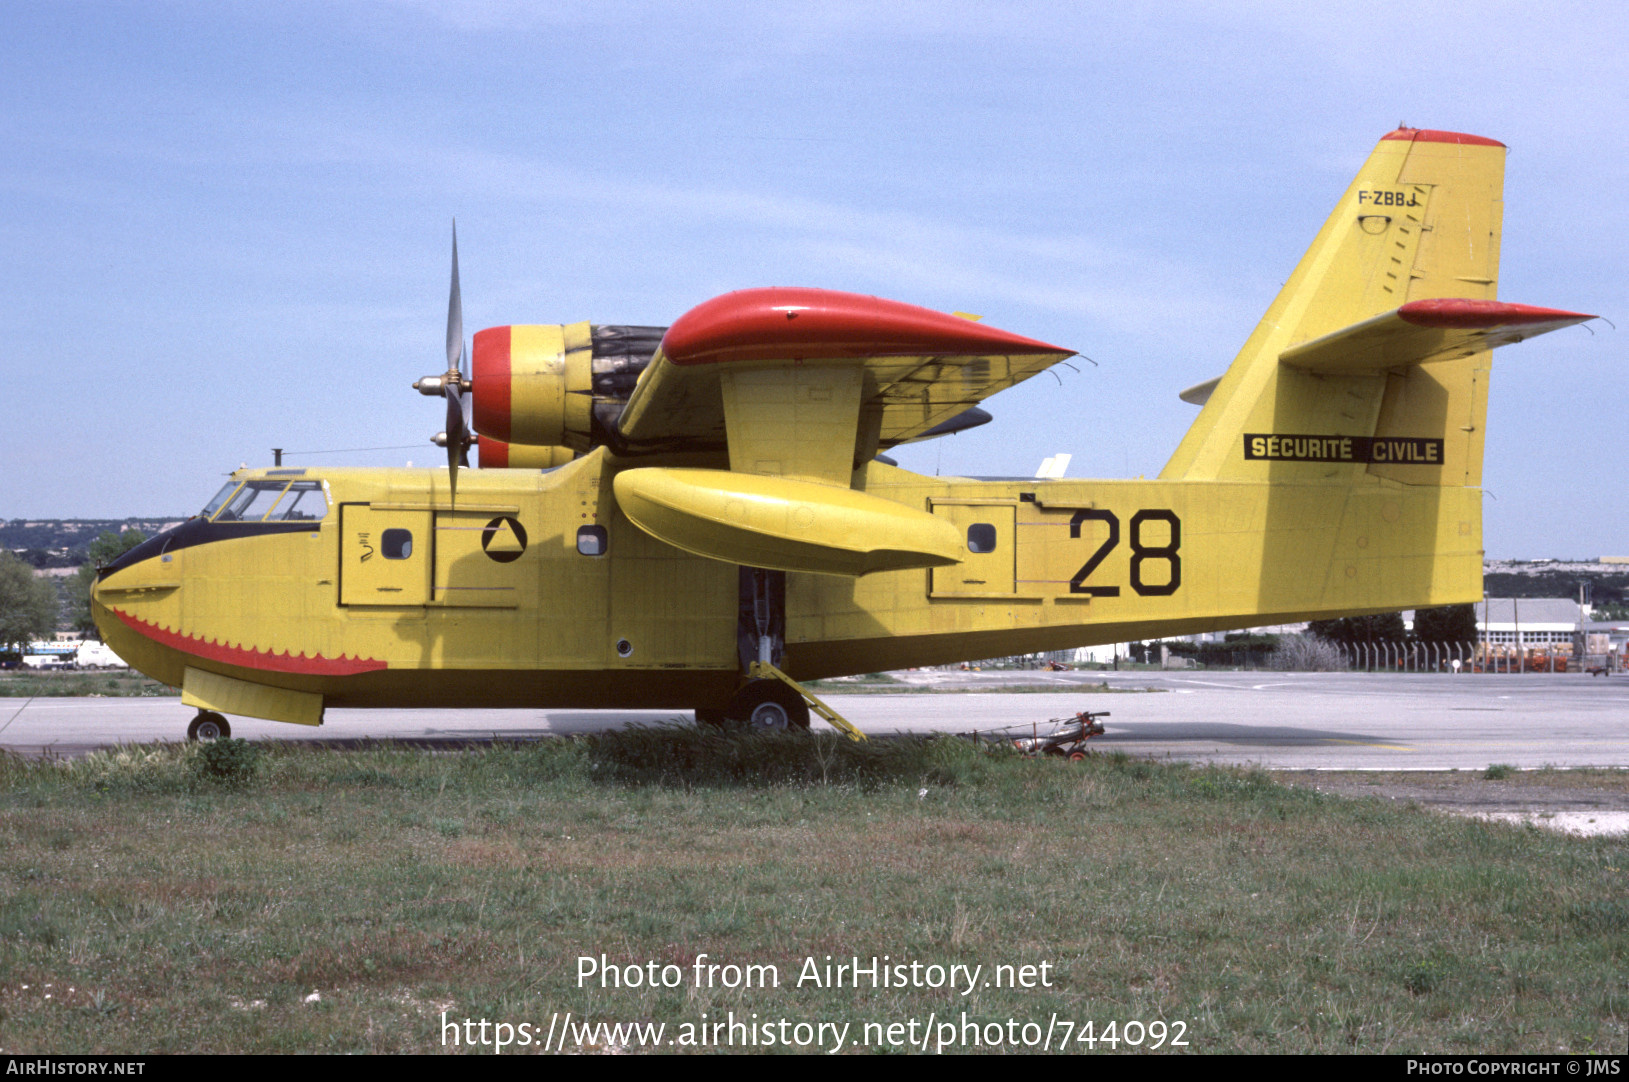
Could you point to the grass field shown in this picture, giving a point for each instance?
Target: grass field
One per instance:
(176, 899)
(124, 682)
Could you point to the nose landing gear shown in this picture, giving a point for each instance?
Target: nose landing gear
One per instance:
(208, 725)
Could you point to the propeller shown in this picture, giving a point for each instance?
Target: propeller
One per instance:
(452, 384)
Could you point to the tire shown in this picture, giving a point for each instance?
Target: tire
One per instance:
(208, 725)
(770, 706)
(1077, 757)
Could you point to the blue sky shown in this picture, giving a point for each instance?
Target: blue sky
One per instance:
(226, 226)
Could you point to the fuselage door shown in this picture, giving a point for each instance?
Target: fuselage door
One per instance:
(989, 569)
(385, 556)
(478, 559)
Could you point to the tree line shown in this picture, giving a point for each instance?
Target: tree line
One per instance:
(35, 607)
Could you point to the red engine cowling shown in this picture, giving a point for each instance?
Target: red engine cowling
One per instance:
(497, 455)
(541, 385)
(531, 385)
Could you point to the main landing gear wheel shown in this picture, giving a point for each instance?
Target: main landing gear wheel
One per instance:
(208, 725)
(770, 706)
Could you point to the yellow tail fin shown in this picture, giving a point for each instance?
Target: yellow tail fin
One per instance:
(1420, 222)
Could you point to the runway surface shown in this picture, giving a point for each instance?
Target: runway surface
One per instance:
(1289, 721)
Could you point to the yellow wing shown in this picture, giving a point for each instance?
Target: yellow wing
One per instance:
(913, 369)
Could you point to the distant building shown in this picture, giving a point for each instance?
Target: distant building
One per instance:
(1545, 631)
(1528, 622)
(1606, 644)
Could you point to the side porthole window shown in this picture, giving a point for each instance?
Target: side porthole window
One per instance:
(592, 540)
(981, 537)
(396, 544)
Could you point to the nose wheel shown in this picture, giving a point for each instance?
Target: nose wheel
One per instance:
(208, 725)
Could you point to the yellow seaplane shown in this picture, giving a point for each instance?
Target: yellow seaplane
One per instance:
(699, 517)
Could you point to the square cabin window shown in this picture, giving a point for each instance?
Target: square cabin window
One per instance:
(981, 537)
(592, 540)
(396, 544)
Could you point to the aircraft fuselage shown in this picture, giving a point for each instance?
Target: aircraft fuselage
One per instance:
(534, 590)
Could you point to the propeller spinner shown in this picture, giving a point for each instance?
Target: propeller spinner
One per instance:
(454, 383)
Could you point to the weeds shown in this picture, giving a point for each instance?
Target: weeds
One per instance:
(78, 684)
(696, 756)
(1425, 976)
(228, 761)
(166, 912)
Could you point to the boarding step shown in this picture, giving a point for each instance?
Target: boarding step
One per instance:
(763, 670)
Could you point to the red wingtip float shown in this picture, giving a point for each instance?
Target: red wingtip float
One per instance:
(792, 323)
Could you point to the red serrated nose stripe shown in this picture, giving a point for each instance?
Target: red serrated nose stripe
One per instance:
(264, 660)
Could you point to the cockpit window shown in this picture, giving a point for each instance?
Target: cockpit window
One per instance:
(252, 501)
(220, 498)
(275, 501)
(303, 501)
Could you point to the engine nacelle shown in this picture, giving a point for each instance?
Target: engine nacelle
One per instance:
(497, 455)
(531, 384)
(542, 385)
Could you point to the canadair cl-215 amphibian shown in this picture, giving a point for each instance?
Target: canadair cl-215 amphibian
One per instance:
(699, 516)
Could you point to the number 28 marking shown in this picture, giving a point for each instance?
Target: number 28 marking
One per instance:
(1140, 552)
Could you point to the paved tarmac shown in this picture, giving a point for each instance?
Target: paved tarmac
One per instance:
(1290, 721)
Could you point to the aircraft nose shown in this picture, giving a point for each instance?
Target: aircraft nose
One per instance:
(149, 576)
(146, 589)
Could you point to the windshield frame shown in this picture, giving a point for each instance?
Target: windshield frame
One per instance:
(272, 493)
(212, 508)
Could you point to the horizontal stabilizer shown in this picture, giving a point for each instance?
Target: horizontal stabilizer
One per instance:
(1200, 393)
(783, 524)
(1424, 331)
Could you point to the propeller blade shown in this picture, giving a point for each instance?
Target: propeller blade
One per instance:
(453, 456)
(457, 436)
(456, 429)
(452, 384)
(455, 311)
(463, 399)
